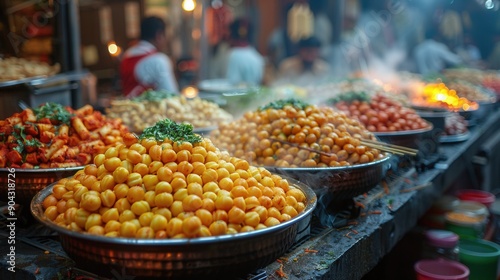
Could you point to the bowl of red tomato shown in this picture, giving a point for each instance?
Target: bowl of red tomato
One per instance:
(390, 120)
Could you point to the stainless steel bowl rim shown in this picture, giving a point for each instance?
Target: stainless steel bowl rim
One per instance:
(42, 170)
(333, 168)
(454, 137)
(37, 212)
(406, 132)
(240, 93)
(433, 113)
(441, 109)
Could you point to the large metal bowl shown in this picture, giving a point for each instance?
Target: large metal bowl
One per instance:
(29, 182)
(338, 183)
(426, 140)
(206, 257)
(477, 116)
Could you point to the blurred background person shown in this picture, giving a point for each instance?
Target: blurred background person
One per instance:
(306, 66)
(494, 58)
(469, 52)
(145, 65)
(245, 65)
(432, 55)
(375, 28)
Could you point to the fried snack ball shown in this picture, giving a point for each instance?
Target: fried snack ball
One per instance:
(290, 135)
(189, 190)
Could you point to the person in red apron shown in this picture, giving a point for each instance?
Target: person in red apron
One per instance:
(144, 66)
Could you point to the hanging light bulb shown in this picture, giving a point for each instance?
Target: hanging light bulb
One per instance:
(190, 92)
(188, 5)
(114, 49)
(489, 4)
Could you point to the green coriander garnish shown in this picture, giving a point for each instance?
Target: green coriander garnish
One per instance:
(350, 96)
(20, 137)
(168, 129)
(33, 143)
(279, 104)
(54, 112)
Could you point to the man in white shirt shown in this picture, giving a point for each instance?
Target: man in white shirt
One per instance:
(432, 56)
(144, 66)
(245, 64)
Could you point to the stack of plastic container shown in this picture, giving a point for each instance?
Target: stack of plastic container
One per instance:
(466, 223)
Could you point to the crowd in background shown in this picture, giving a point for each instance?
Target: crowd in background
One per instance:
(378, 36)
(375, 37)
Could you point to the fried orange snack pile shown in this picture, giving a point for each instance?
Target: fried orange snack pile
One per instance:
(55, 136)
(292, 133)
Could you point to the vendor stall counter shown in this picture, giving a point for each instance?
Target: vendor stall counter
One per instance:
(353, 246)
(63, 88)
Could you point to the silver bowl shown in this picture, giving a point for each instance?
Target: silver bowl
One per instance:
(205, 257)
(424, 139)
(28, 182)
(341, 182)
(475, 117)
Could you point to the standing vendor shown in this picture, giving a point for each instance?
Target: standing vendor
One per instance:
(433, 55)
(245, 64)
(144, 66)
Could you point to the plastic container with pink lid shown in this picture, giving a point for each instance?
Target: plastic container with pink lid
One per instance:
(468, 219)
(441, 244)
(441, 269)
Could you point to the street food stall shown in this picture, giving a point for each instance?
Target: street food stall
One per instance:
(338, 179)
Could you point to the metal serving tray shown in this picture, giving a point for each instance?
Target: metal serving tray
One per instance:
(205, 257)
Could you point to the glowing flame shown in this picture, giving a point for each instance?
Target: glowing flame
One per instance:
(441, 96)
(438, 94)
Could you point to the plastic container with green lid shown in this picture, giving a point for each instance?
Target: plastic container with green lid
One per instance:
(481, 257)
(467, 219)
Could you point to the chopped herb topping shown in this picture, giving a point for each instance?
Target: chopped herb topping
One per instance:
(350, 96)
(152, 95)
(33, 143)
(20, 136)
(20, 147)
(168, 129)
(279, 104)
(54, 112)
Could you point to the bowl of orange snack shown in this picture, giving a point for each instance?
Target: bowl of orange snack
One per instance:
(41, 145)
(317, 145)
(171, 204)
